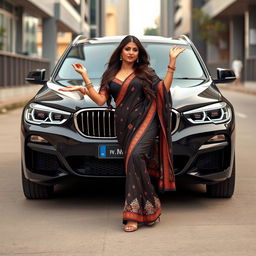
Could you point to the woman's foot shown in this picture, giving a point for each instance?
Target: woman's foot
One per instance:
(131, 226)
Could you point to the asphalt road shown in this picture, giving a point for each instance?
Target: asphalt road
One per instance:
(85, 219)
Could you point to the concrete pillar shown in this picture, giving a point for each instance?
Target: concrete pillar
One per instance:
(167, 18)
(50, 41)
(236, 38)
(82, 14)
(100, 5)
(200, 45)
(19, 31)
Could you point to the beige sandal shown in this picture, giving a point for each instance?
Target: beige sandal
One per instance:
(130, 227)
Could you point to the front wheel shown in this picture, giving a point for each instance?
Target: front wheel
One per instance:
(33, 190)
(223, 189)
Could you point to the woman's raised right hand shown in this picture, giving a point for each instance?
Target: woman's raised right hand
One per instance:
(79, 68)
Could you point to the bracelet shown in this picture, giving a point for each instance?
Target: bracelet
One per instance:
(170, 71)
(88, 85)
(172, 68)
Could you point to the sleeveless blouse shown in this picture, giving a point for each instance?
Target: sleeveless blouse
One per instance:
(114, 87)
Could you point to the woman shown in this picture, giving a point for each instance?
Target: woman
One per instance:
(142, 110)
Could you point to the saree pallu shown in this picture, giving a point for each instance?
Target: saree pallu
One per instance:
(137, 118)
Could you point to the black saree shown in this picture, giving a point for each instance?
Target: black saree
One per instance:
(138, 120)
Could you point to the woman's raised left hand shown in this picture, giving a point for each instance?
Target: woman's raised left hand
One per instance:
(175, 51)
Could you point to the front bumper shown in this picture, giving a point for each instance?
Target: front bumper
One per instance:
(68, 154)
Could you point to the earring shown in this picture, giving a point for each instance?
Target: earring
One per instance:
(137, 60)
(121, 57)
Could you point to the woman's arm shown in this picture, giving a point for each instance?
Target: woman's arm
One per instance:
(173, 54)
(98, 98)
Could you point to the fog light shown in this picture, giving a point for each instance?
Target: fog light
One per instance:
(217, 138)
(38, 139)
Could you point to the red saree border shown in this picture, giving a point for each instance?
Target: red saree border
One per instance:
(140, 132)
(141, 218)
(117, 81)
(124, 88)
(168, 181)
(153, 172)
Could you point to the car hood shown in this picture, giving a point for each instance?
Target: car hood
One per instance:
(186, 94)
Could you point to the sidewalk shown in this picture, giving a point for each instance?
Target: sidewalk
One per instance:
(14, 97)
(248, 87)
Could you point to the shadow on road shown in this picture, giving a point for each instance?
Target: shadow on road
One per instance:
(110, 192)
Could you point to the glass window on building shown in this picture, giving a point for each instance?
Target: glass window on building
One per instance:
(2, 31)
(92, 32)
(252, 32)
(7, 30)
(30, 24)
(93, 12)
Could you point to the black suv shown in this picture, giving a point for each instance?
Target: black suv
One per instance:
(66, 135)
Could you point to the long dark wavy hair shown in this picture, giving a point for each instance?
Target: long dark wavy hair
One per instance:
(141, 68)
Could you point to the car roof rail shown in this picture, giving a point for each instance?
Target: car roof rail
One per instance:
(78, 38)
(186, 38)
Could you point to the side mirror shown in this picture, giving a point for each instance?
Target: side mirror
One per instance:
(225, 76)
(36, 76)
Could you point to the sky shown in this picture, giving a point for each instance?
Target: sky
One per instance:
(142, 15)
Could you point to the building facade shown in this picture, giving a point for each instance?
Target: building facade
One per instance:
(238, 41)
(167, 10)
(97, 18)
(116, 17)
(240, 17)
(30, 28)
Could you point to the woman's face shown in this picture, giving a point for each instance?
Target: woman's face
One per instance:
(130, 52)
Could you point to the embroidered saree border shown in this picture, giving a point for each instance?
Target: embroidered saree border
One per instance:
(142, 218)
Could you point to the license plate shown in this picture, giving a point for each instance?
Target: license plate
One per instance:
(110, 151)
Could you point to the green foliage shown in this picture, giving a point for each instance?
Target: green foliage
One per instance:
(2, 32)
(151, 31)
(209, 30)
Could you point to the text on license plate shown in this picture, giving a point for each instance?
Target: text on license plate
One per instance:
(110, 151)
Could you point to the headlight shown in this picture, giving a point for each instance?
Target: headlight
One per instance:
(40, 114)
(215, 113)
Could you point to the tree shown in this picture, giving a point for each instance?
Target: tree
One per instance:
(151, 31)
(208, 30)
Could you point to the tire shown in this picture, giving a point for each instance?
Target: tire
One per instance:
(223, 189)
(33, 190)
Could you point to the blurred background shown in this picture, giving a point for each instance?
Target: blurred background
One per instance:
(34, 34)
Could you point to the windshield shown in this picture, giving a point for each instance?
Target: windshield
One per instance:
(95, 58)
